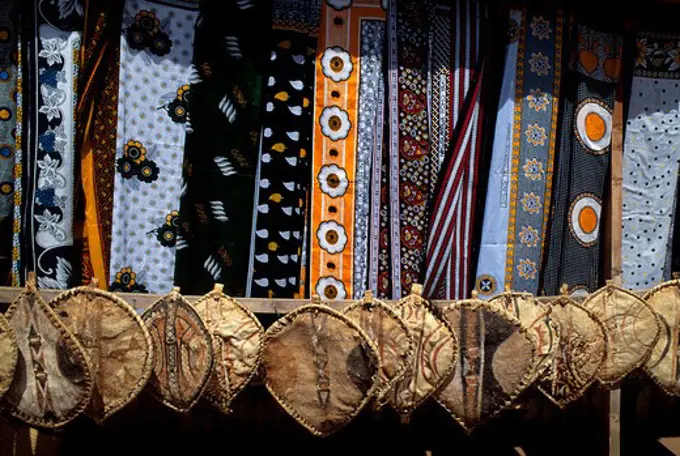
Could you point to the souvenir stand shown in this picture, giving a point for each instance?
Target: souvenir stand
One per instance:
(630, 416)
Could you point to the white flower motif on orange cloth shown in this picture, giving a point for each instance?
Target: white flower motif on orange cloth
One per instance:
(540, 64)
(533, 169)
(540, 28)
(332, 236)
(335, 123)
(330, 288)
(536, 134)
(538, 100)
(529, 236)
(336, 64)
(531, 203)
(527, 269)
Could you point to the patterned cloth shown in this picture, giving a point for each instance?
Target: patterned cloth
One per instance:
(573, 250)
(282, 178)
(346, 141)
(155, 69)
(97, 114)
(409, 134)
(650, 160)
(224, 108)
(9, 34)
(50, 156)
(520, 182)
(448, 258)
(18, 174)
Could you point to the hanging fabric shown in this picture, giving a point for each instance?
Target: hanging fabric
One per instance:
(347, 138)
(409, 135)
(9, 41)
(232, 42)
(573, 248)
(650, 161)
(17, 144)
(97, 115)
(155, 58)
(455, 91)
(282, 178)
(520, 180)
(50, 153)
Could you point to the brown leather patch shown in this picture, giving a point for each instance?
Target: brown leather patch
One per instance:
(436, 349)
(53, 381)
(320, 366)
(535, 317)
(238, 339)
(496, 363)
(663, 364)
(632, 330)
(117, 343)
(8, 355)
(390, 336)
(582, 348)
(183, 352)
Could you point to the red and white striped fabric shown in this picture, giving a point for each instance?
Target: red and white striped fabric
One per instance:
(448, 258)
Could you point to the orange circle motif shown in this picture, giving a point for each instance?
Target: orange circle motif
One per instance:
(5, 114)
(587, 219)
(595, 126)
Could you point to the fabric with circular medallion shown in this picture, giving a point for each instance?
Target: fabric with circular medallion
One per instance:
(573, 250)
(584, 219)
(156, 47)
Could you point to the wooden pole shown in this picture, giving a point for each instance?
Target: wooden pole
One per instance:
(615, 247)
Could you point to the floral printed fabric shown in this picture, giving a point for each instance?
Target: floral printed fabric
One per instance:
(232, 46)
(282, 179)
(50, 159)
(650, 161)
(520, 183)
(155, 68)
(345, 146)
(409, 134)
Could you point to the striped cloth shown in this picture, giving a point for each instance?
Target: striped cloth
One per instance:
(449, 245)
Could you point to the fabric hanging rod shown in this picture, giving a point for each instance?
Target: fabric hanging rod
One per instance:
(141, 302)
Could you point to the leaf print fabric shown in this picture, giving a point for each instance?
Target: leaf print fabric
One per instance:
(221, 151)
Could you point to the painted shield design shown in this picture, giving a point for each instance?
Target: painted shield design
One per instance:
(495, 365)
(8, 355)
(436, 353)
(183, 352)
(662, 365)
(238, 340)
(320, 367)
(632, 330)
(390, 336)
(117, 343)
(581, 352)
(53, 380)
